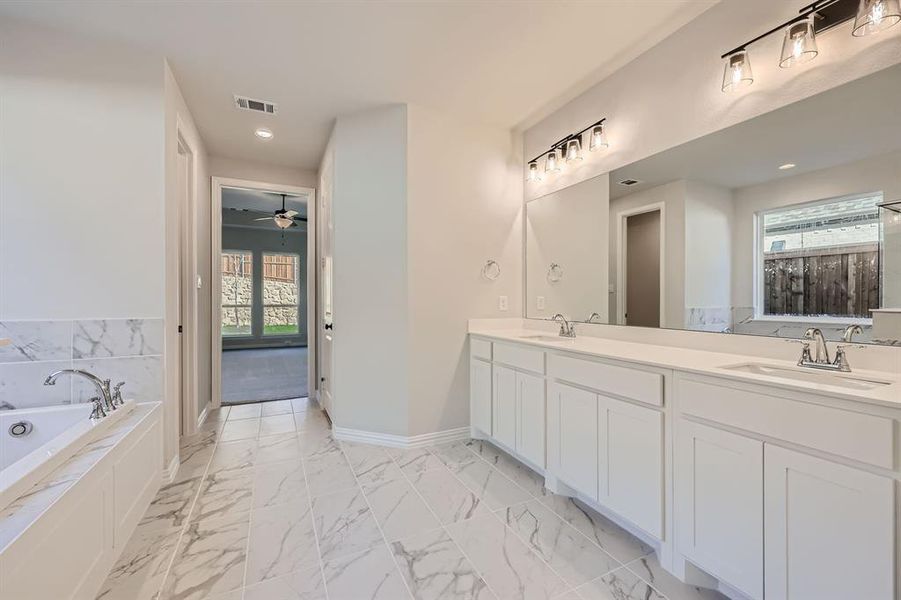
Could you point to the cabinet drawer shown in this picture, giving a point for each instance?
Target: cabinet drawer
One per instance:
(480, 348)
(620, 381)
(520, 357)
(866, 438)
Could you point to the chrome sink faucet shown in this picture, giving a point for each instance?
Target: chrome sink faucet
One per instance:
(593, 316)
(102, 385)
(567, 329)
(820, 358)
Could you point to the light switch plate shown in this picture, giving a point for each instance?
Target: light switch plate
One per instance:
(539, 302)
(502, 303)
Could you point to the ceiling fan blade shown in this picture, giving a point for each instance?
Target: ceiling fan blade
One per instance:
(263, 219)
(291, 213)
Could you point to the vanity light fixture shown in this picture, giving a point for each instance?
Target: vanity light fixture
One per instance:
(264, 134)
(569, 149)
(552, 163)
(874, 16)
(574, 149)
(799, 44)
(598, 139)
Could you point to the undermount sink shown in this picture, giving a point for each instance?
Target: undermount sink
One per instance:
(545, 338)
(809, 376)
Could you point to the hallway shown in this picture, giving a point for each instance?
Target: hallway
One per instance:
(267, 506)
(263, 374)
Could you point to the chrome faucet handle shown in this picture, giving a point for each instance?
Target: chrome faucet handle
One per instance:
(98, 412)
(117, 394)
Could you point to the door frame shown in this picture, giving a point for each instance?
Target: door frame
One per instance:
(621, 244)
(217, 183)
(187, 256)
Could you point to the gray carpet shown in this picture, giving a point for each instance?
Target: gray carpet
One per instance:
(263, 374)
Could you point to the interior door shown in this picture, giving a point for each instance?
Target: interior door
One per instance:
(327, 316)
(643, 269)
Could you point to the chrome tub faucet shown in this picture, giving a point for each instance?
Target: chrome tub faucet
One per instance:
(103, 402)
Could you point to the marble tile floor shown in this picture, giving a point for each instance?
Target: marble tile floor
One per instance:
(267, 506)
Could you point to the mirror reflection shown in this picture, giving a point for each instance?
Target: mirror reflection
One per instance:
(787, 221)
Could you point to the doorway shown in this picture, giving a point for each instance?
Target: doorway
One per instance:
(640, 267)
(264, 280)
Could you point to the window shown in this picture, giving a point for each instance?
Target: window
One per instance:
(820, 259)
(237, 292)
(281, 294)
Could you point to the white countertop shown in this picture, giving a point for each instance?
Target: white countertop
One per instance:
(701, 362)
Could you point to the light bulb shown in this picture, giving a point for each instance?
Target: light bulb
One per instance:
(799, 45)
(574, 149)
(874, 16)
(551, 163)
(534, 173)
(598, 139)
(737, 72)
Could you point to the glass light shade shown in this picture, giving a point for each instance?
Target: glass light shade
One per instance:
(534, 172)
(552, 162)
(737, 73)
(598, 139)
(875, 15)
(574, 149)
(799, 45)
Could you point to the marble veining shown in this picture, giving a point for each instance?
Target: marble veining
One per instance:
(36, 341)
(117, 337)
(301, 516)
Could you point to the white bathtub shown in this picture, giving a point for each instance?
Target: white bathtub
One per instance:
(57, 432)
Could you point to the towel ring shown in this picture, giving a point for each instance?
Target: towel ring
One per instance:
(491, 270)
(554, 273)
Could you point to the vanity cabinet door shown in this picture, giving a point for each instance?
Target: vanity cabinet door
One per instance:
(630, 462)
(719, 504)
(530, 415)
(504, 406)
(829, 530)
(573, 437)
(480, 395)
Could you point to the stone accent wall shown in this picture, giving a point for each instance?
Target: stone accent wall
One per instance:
(239, 290)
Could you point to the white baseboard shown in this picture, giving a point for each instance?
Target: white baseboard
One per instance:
(171, 469)
(203, 415)
(400, 441)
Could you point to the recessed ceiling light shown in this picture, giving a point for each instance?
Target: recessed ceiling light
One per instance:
(263, 133)
(787, 166)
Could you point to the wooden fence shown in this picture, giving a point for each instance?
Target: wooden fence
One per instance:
(826, 282)
(276, 267)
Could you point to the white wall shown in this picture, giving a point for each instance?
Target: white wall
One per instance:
(242, 169)
(464, 199)
(870, 175)
(81, 178)
(708, 252)
(370, 286)
(671, 94)
(569, 227)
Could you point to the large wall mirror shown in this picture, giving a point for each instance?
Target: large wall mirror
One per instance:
(786, 221)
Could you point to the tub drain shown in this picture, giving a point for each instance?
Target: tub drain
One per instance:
(20, 428)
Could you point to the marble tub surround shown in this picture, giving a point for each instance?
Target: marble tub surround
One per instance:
(262, 520)
(127, 350)
(23, 512)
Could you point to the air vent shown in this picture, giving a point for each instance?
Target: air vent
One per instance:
(270, 108)
(629, 182)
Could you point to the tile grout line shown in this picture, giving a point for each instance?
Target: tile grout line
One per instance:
(376, 521)
(443, 526)
(303, 467)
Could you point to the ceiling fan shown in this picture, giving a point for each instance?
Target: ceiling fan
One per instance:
(283, 218)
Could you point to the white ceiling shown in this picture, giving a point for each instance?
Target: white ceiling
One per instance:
(845, 124)
(500, 62)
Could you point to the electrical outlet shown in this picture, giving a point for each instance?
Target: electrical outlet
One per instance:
(502, 303)
(539, 302)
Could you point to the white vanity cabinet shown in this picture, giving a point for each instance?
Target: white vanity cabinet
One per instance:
(828, 528)
(782, 496)
(719, 504)
(507, 399)
(607, 448)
